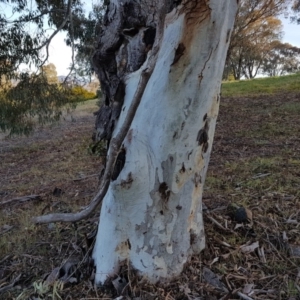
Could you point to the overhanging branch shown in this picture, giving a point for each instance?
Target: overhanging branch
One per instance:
(58, 29)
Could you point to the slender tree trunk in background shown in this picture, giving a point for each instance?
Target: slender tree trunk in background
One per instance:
(151, 215)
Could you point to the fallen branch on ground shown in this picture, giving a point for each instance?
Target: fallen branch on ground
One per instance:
(20, 199)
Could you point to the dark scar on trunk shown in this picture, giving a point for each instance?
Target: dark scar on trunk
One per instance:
(129, 244)
(202, 137)
(164, 191)
(120, 162)
(149, 37)
(178, 53)
(182, 170)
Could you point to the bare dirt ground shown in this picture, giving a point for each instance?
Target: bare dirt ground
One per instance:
(252, 210)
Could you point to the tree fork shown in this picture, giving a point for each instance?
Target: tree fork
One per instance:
(116, 142)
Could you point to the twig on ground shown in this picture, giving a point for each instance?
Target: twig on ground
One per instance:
(219, 224)
(86, 177)
(6, 228)
(8, 287)
(243, 296)
(20, 199)
(261, 175)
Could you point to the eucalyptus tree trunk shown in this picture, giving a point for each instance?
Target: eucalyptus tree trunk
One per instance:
(151, 216)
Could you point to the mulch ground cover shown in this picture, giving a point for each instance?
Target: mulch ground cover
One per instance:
(251, 211)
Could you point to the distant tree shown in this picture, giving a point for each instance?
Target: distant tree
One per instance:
(296, 9)
(283, 58)
(247, 57)
(49, 71)
(79, 93)
(31, 100)
(251, 14)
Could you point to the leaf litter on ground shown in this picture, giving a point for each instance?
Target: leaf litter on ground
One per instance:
(254, 166)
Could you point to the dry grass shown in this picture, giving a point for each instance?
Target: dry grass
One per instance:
(254, 164)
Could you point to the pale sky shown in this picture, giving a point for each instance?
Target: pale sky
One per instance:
(60, 54)
(291, 32)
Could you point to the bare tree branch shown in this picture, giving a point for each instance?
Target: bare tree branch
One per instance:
(73, 47)
(58, 29)
(24, 20)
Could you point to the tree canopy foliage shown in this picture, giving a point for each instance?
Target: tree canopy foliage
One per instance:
(49, 71)
(27, 97)
(255, 38)
(296, 10)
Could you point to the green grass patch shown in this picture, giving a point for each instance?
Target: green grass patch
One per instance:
(260, 86)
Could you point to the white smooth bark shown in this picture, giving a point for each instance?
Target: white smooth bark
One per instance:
(151, 216)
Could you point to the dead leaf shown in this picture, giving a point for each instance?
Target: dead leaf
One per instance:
(249, 248)
(249, 214)
(211, 278)
(294, 250)
(248, 289)
(261, 254)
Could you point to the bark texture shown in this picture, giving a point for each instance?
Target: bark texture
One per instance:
(151, 216)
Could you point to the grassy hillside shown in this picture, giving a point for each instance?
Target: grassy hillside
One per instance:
(261, 86)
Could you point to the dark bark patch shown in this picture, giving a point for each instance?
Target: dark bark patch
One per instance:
(179, 207)
(120, 93)
(205, 117)
(130, 31)
(175, 135)
(133, 16)
(120, 162)
(182, 170)
(109, 113)
(129, 244)
(193, 238)
(197, 179)
(196, 11)
(102, 123)
(129, 135)
(228, 35)
(149, 37)
(205, 147)
(202, 137)
(178, 53)
(171, 4)
(164, 191)
(126, 184)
